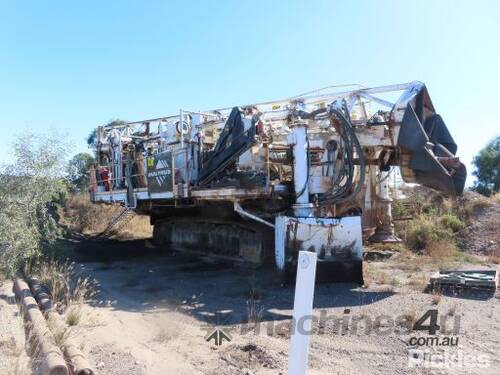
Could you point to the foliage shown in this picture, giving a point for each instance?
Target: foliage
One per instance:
(452, 222)
(73, 315)
(30, 189)
(424, 230)
(487, 164)
(116, 122)
(77, 170)
(92, 137)
(81, 215)
(66, 284)
(471, 205)
(441, 249)
(399, 209)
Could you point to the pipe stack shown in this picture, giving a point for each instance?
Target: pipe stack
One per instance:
(40, 338)
(77, 361)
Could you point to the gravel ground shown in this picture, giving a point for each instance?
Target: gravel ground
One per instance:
(13, 358)
(157, 310)
(154, 312)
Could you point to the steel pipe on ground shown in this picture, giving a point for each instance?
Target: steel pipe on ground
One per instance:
(40, 338)
(77, 362)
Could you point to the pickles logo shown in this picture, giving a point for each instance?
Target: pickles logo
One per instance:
(213, 332)
(218, 336)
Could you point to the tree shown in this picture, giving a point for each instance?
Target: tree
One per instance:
(78, 167)
(92, 137)
(30, 187)
(487, 168)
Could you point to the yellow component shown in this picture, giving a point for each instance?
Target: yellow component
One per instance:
(151, 162)
(276, 106)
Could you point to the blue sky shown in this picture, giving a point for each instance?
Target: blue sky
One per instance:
(71, 66)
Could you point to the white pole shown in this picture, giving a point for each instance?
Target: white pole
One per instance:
(302, 313)
(298, 138)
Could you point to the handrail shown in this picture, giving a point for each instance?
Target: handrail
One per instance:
(361, 89)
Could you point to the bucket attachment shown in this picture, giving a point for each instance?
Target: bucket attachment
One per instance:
(428, 149)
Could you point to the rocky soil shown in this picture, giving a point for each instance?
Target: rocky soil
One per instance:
(13, 357)
(155, 311)
(483, 236)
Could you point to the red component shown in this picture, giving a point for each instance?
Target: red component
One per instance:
(104, 174)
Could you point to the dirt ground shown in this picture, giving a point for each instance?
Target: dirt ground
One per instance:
(155, 309)
(13, 357)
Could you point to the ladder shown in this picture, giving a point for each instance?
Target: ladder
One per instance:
(118, 222)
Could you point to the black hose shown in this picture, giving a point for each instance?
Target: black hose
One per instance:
(349, 144)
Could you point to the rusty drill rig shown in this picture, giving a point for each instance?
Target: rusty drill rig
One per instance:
(258, 183)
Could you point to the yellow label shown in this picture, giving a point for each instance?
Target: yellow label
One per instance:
(151, 162)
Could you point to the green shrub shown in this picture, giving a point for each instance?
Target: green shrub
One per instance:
(399, 209)
(31, 187)
(418, 201)
(424, 230)
(451, 222)
(431, 211)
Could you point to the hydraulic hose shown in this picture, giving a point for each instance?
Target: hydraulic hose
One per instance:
(344, 192)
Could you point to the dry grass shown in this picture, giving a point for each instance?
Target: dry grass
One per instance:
(74, 315)
(494, 257)
(441, 249)
(436, 297)
(453, 309)
(399, 247)
(138, 227)
(467, 209)
(425, 229)
(495, 198)
(381, 277)
(61, 336)
(254, 309)
(411, 262)
(375, 276)
(86, 217)
(418, 282)
(438, 255)
(64, 283)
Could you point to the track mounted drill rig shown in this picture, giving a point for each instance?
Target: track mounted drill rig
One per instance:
(258, 183)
